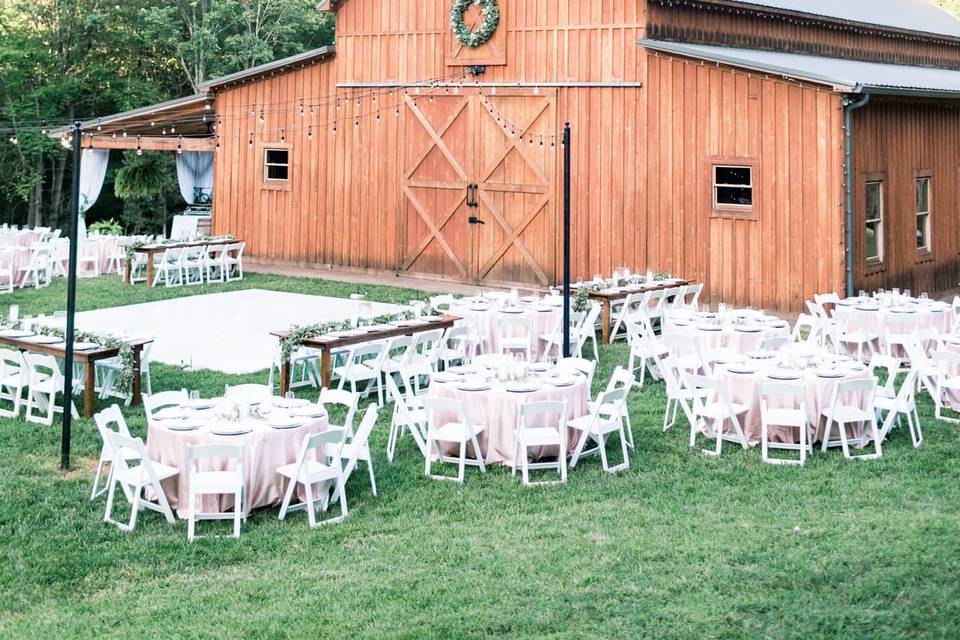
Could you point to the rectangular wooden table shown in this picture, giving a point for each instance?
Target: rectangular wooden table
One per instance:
(327, 346)
(150, 250)
(89, 360)
(607, 298)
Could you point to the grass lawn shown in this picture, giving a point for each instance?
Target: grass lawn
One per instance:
(679, 546)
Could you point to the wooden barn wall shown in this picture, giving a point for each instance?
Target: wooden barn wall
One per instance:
(640, 182)
(900, 139)
(676, 21)
(793, 248)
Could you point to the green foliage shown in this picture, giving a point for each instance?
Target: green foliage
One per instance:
(106, 227)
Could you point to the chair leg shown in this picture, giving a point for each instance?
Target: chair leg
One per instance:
(96, 478)
(311, 507)
(237, 512)
(192, 517)
(463, 460)
(603, 453)
(373, 480)
(287, 496)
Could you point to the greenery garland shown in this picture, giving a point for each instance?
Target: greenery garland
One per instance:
(298, 334)
(482, 34)
(124, 380)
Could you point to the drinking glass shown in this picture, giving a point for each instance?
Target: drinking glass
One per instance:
(906, 293)
(194, 394)
(924, 296)
(14, 312)
(289, 395)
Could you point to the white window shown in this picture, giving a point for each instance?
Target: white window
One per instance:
(875, 221)
(923, 214)
(732, 186)
(276, 165)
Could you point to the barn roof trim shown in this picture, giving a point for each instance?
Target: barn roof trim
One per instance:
(842, 75)
(277, 66)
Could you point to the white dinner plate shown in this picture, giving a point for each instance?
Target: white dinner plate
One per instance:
(512, 310)
(43, 339)
(562, 381)
(744, 371)
(202, 403)
(447, 376)
(522, 387)
(710, 327)
(182, 425)
(16, 333)
(830, 374)
(784, 375)
(172, 413)
(231, 431)
(308, 411)
(285, 422)
(85, 346)
(474, 386)
(749, 328)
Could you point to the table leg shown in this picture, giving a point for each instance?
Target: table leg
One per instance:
(136, 391)
(149, 270)
(325, 373)
(605, 322)
(284, 378)
(88, 389)
(126, 272)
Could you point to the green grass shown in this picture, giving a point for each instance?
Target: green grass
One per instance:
(680, 546)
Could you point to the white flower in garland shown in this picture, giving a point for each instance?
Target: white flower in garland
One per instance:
(482, 34)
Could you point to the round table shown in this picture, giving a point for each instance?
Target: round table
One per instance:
(482, 316)
(744, 389)
(741, 338)
(265, 448)
(498, 409)
(872, 317)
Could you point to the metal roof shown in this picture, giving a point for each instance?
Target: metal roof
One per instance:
(142, 112)
(848, 76)
(910, 15)
(306, 57)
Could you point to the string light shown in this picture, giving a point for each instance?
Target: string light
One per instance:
(139, 146)
(180, 145)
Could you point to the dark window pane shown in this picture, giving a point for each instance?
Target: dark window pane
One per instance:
(275, 172)
(277, 156)
(921, 232)
(734, 195)
(873, 200)
(923, 195)
(873, 244)
(733, 175)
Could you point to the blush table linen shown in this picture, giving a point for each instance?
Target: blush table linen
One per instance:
(744, 389)
(265, 450)
(729, 336)
(499, 411)
(483, 320)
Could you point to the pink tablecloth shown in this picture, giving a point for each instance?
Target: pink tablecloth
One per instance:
(729, 336)
(499, 410)
(483, 320)
(745, 389)
(266, 449)
(937, 317)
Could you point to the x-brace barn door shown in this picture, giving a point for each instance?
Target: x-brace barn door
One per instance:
(478, 196)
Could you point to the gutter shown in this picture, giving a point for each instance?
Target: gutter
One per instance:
(849, 106)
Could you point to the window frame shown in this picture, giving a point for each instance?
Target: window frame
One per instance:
(733, 211)
(925, 252)
(878, 179)
(277, 184)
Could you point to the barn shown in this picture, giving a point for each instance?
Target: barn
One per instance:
(771, 149)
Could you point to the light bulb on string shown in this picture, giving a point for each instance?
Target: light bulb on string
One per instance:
(283, 135)
(139, 146)
(250, 141)
(262, 119)
(180, 145)
(310, 132)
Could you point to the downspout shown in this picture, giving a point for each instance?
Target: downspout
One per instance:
(849, 106)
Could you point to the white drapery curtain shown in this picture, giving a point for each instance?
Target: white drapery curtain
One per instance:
(93, 170)
(195, 171)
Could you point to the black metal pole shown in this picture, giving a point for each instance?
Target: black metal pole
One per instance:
(71, 299)
(566, 240)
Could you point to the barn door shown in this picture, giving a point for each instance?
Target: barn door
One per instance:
(438, 168)
(516, 241)
(478, 199)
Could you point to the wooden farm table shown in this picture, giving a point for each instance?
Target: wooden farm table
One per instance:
(328, 346)
(150, 250)
(89, 360)
(608, 297)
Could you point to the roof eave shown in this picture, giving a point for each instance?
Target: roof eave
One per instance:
(119, 118)
(836, 84)
(283, 65)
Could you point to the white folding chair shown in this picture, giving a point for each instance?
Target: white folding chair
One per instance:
(678, 396)
(784, 405)
(455, 347)
(194, 264)
(108, 370)
(317, 463)
(216, 481)
(687, 351)
(347, 402)
(807, 329)
(774, 343)
(408, 412)
(541, 425)
(844, 411)
(946, 378)
(38, 269)
(515, 333)
(363, 365)
(110, 416)
(356, 448)
(645, 348)
(169, 268)
(13, 378)
(88, 259)
(251, 393)
(621, 378)
(460, 430)
(712, 409)
(8, 274)
(633, 305)
(586, 330)
(152, 403)
(425, 348)
(233, 261)
(862, 340)
(45, 381)
(138, 481)
(902, 403)
(396, 354)
(604, 419)
(213, 263)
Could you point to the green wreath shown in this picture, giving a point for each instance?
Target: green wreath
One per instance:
(483, 33)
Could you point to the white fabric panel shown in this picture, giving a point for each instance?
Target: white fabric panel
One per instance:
(194, 170)
(93, 170)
